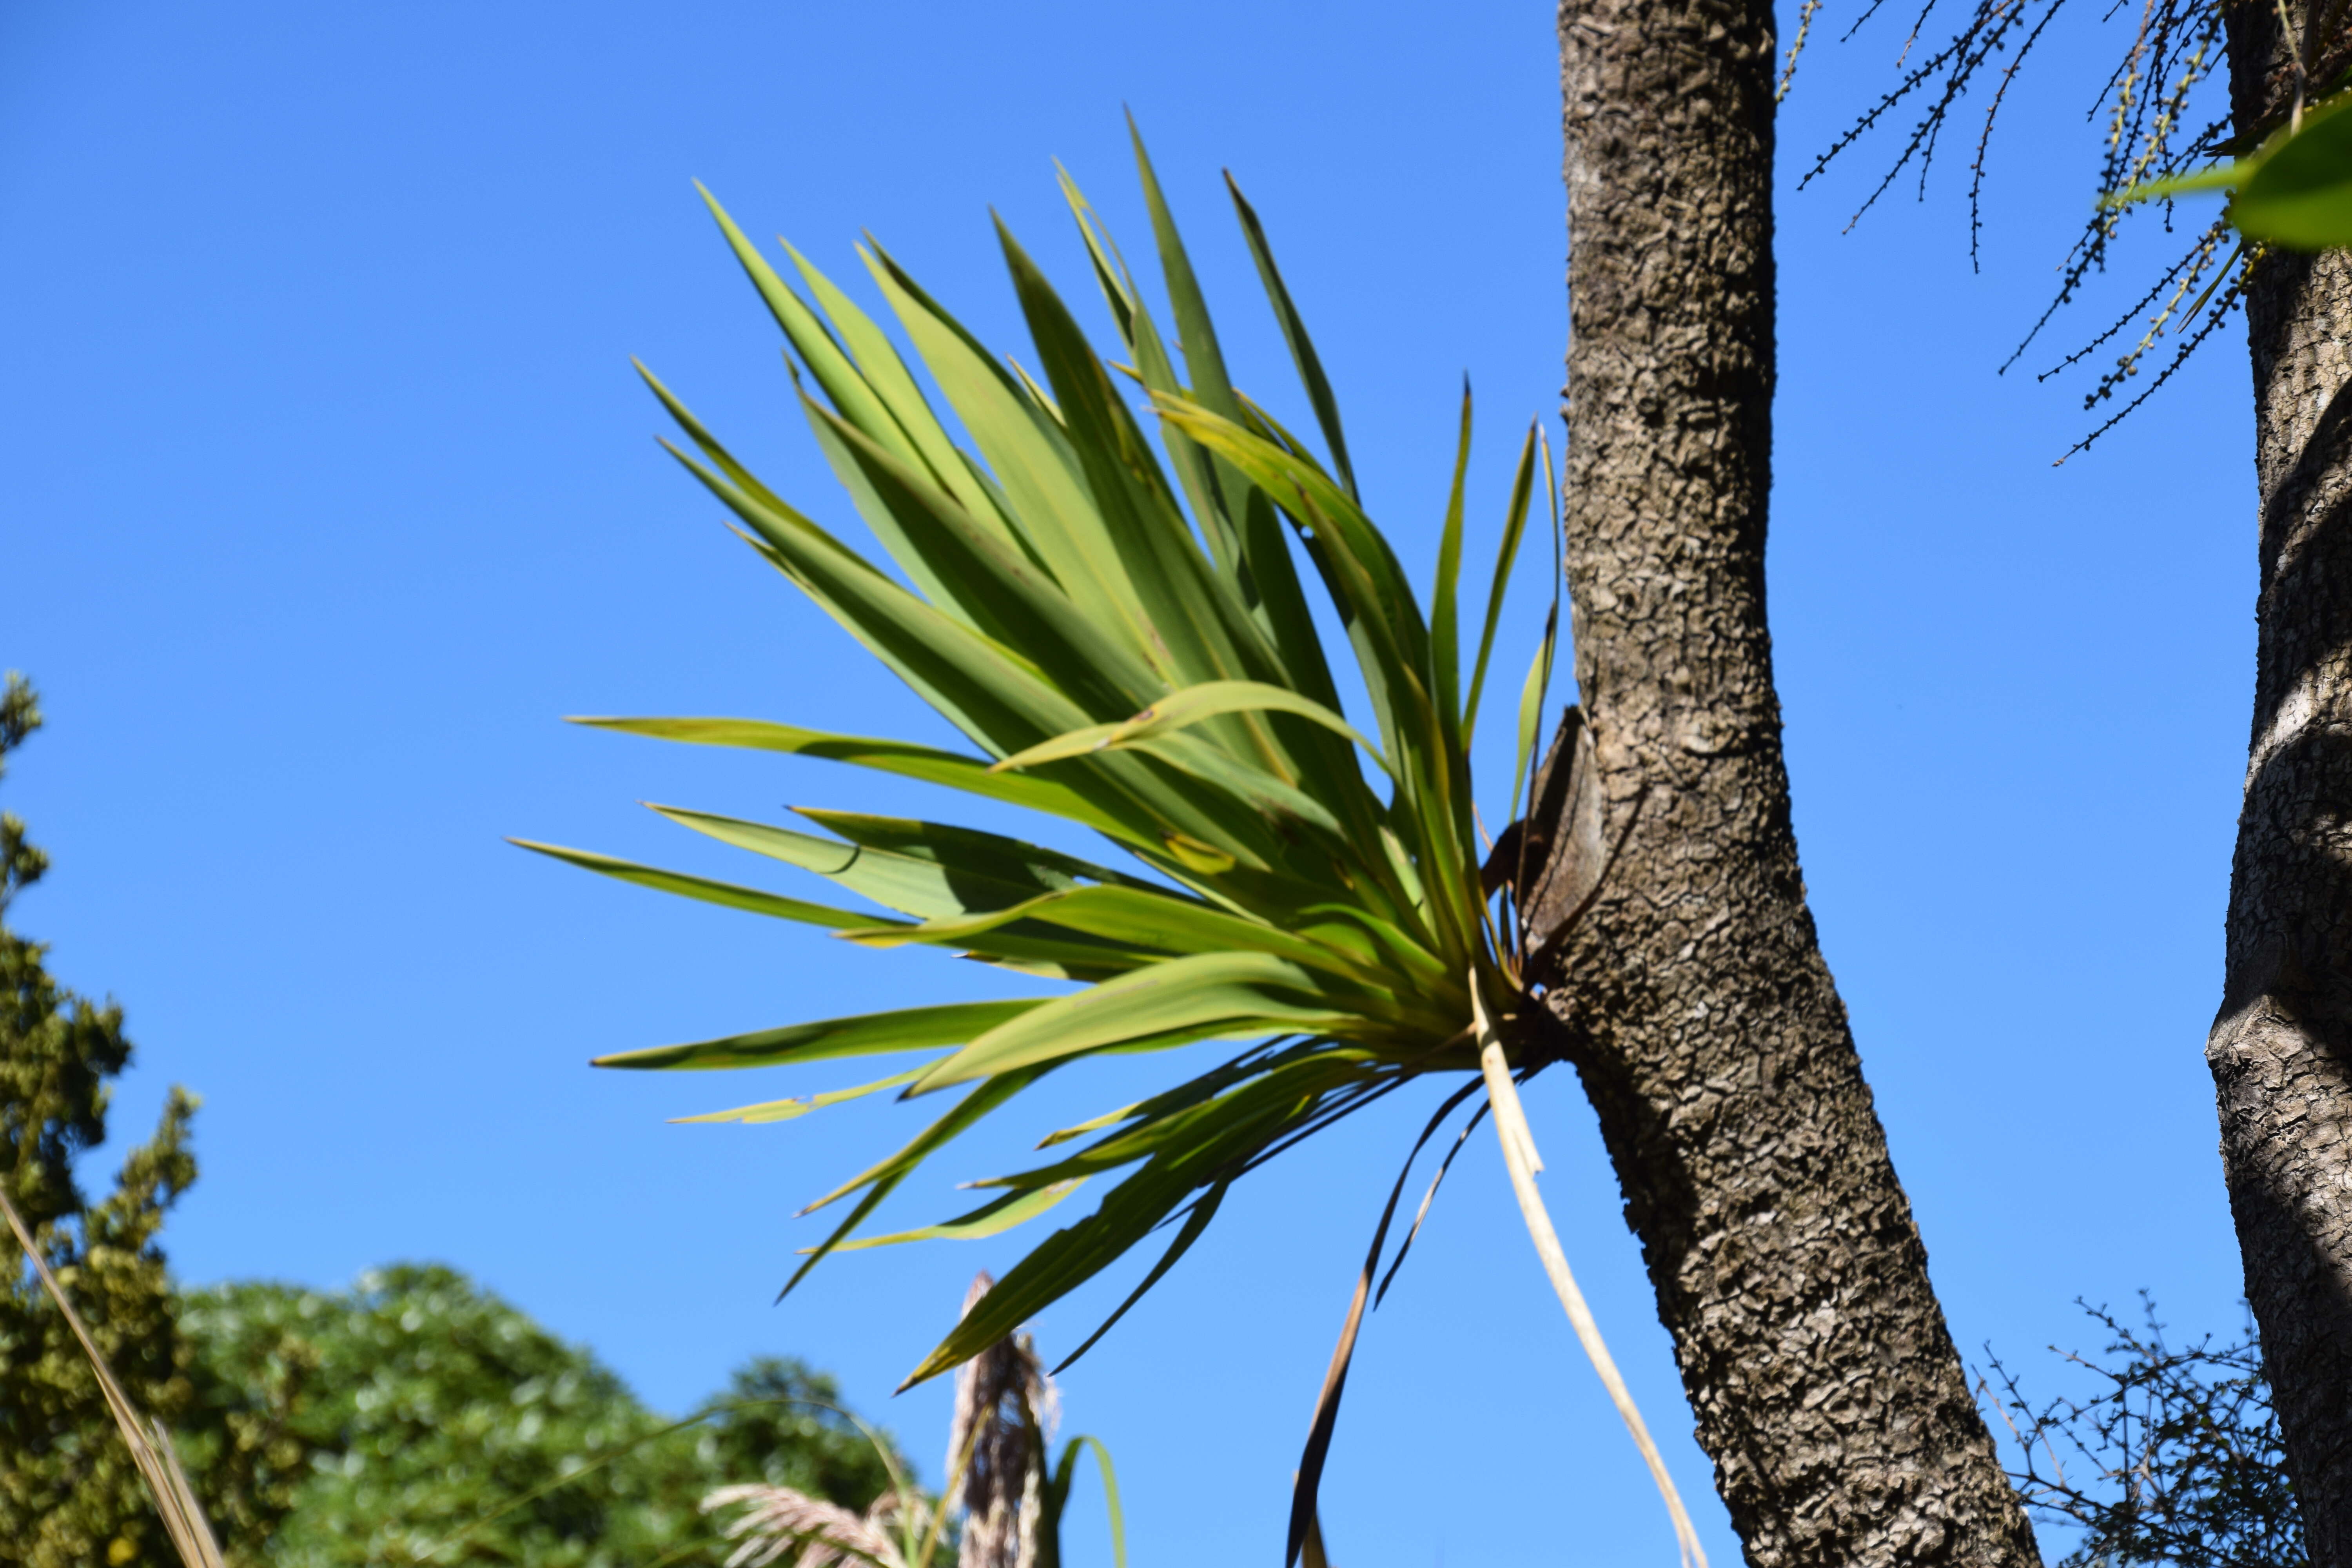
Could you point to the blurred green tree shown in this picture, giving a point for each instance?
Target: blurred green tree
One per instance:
(365, 1427)
(443, 1425)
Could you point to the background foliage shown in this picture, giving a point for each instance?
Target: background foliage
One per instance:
(363, 1427)
(423, 1405)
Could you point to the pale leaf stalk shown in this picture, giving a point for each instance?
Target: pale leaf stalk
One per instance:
(151, 1447)
(1519, 1155)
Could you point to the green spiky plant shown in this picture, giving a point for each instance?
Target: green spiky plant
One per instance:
(1127, 642)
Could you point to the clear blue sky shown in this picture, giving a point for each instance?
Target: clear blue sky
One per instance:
(328, 489)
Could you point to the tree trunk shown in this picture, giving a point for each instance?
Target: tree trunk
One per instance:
(1703, 1019)
(2281, 1048)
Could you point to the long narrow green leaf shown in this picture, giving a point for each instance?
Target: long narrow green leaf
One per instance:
(1203, 1211)
(1204, 360)
(1163, 559)
(938, 588)
(816, 345)
(1030, 459)
(1156, 369)
(1515, 522)
(1216, 1142)
(1307, 830)
(1283, 1090)
(995, 696)
(928, 764)
(953, 847)
(861, 1034)
(1384, 623)
(789, 1109)
(1071, 1255)
(1135, 918)
(1226, 595)
(1299, 486)
(993, 1218)
(1219, 492)
(1190, 705)
(1445, 609)
(1252, 1060)
(1254, 587)
(881, 1179)
(1192, 998)
(1531, 697)
(928, 889)
(1559, 585)
(731, 894)
(1430, 812)
(886, 373)
(1294, 333)
(1004, 592)
(910, 884)
(1398, 949)
(1143, 517)
(1281, 602)
(982, 687)
(1110, 1492)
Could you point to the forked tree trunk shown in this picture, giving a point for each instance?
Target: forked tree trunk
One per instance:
(2281, 1049)
(1705, 1025)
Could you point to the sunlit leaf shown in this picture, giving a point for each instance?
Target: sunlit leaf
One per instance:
(1090, 575)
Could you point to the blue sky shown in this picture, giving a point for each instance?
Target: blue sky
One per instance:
(328, 488)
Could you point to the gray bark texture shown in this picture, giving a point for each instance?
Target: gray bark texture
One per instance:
(1695, 1002)
(2281, 1046)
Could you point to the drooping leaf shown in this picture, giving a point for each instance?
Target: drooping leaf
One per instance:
(880, 1179)
(789, 1109)
(1204, 1209)
(991, 1218)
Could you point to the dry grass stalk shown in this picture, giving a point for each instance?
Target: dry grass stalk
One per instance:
(778, 1519)
(1005, 1412)
(149, 1444)
(1520, 1155)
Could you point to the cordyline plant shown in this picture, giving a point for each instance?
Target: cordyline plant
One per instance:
(1127, 643)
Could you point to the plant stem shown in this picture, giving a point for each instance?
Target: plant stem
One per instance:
(1520, 1155)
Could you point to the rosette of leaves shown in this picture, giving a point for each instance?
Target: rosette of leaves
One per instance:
(1105, 588)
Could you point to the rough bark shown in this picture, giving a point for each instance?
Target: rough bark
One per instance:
(1704, 1021)
(2281, 1046)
